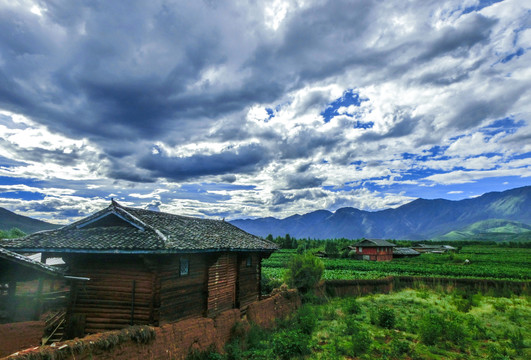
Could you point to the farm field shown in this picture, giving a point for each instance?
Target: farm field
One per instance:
(487, 262)
(410, 324)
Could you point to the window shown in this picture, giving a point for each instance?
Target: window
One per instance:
(249, 261)
(184, 266)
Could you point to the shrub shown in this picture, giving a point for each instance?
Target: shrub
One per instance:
(386, 318)
(204, 355)
(464, 301)
(233, 350)
(430, 328)
(288, 344)
(304, 272)
(256, 336)
(306, 319)
(268, 284)
(455, 331)
(360, 339)
(352, 307)
(517, 341)
(399, 348)
(301, 249)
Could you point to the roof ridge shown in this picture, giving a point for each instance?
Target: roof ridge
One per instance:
(119, 208)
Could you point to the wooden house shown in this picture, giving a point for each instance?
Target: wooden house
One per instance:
(33, 280)
(374, 249)
(149, 267)
(403, 252)
(434, 249)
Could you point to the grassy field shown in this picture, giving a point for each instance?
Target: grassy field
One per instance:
(488, 262)
(410, 324)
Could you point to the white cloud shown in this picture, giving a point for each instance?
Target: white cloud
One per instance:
(105, 104)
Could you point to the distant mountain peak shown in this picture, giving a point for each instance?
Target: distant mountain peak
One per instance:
(417, 220)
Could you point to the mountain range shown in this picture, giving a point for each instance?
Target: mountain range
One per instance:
(9, 220)
(493, 216)
(417, 220)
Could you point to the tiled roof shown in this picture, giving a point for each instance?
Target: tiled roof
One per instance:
(373, 243)
(124, 229)
(27, 262)
(404, 251)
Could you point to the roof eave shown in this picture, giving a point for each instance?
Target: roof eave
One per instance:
(137, 251)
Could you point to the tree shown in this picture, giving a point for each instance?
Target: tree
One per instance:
(304, 272)
(331, 249)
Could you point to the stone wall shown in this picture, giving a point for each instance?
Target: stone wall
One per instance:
(175, 340)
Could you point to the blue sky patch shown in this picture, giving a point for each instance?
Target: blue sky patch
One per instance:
(25, 195)
(517, 53)
(507, 125)
(350, 97)
(482, 4)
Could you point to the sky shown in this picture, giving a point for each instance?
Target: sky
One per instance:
(244, 109)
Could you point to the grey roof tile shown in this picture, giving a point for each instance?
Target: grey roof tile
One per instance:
(373, 243)
(143, 230)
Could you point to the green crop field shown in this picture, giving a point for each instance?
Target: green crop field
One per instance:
(487, 262)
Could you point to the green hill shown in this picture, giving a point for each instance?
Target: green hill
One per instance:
(10, 220)
(493, 230)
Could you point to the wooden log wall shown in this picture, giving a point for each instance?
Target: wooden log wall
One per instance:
(120, 292)
(183, 297)
(249, 280)
(222, 279)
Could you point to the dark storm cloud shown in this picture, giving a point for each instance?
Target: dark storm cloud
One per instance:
(474, 111)
(403, 124)
(299, 181)
(58, 156)
(242, 160)
(120, 76)
(229, 178)
(457, 41)
(284, 197)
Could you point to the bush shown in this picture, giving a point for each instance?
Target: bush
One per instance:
(301, 249)
(256, 336)
(430, 328)
(517, 341)
(464, 301)
(360, 339)
(234, 350)
(352, 307)
(306, 319)
(204, 355)
(455, 331)
(304, 272)
(289, 344)
(399, 348)
(268, 284)
(386, 318)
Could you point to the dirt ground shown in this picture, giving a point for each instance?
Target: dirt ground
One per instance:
(19, 336)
